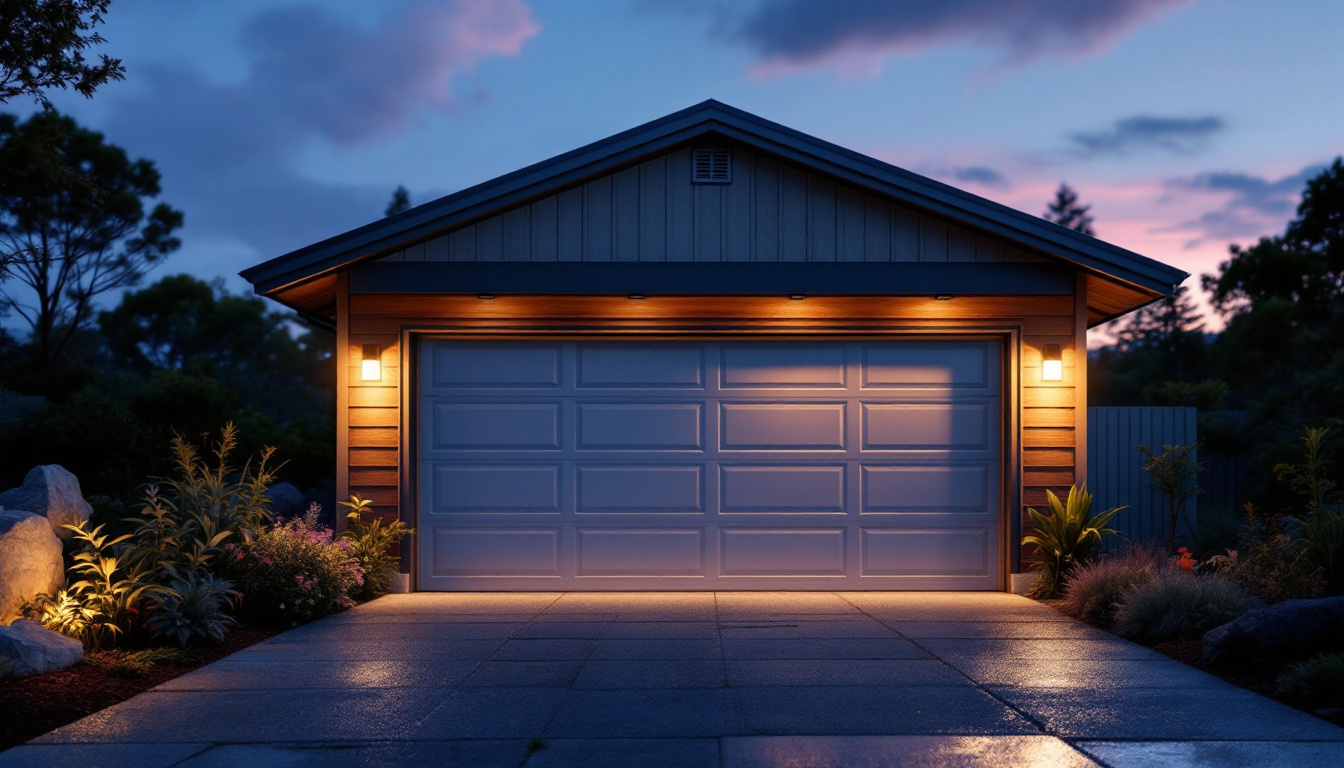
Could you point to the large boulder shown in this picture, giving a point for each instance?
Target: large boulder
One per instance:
(30, 560)
(287, 501)
(50, 491)
(28, 648)
(1293, 629)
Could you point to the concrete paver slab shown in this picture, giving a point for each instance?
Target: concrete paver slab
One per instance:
(900, 752)
(821, 648)
(645, 753)
(1167, 713)
(1087, 675)
(32, 755)
(301, 673)
(1201, 754)
(648, 713)
(488, 713)
(618, 674)
(477, 753)
(524, 674)
(875, 710)
(861, 672)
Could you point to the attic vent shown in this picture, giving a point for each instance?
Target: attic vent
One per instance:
(710, 165)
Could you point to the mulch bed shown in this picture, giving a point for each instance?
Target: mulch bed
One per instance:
(60, 698)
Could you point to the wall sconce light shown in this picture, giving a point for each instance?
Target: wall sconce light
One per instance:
(485, 296)
(635, 297)
(371, 367)
(942, 297)
(796, 297)
(1052, 364)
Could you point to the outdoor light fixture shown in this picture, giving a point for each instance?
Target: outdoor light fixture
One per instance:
(371, 368)
(796, 297)
(485, 295)
(635, 297)
(1052, 364)
(942, 297)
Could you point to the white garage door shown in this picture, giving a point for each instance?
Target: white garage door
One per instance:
(732, 465)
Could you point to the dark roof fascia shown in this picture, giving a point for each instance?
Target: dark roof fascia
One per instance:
(711, 117)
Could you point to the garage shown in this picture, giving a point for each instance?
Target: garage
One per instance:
(711, 352)
(592, 465)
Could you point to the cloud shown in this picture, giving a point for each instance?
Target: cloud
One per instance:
(1182, 135)
(1253, 205)
(979, 174)
(228, 151)
(791, 35)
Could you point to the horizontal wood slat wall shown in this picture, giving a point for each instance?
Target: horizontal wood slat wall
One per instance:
(1048, 418)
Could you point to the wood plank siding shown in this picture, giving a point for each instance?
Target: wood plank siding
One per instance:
(771, 212)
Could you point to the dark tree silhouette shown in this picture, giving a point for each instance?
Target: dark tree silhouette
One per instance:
(70, 244)
(42, 45)
(401, 201)
(1065, 211)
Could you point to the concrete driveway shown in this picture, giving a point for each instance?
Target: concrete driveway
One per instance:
(726, 679)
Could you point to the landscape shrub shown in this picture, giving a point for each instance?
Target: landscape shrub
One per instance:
(1065, 537)
(1176, 603)
(371, 545)
(1093, 591)
(294, 572)
(1316, 683)
(1323, 546)
(161, 576)
(192, 607)
(1270, 563)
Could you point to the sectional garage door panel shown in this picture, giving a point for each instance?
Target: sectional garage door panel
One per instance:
(686, 465)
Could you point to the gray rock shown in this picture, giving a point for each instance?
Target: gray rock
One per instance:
(1293, 629)
(286, 500)
(30, 560)
(50, 491)
(27, 648)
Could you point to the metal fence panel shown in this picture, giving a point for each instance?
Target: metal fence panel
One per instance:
(1115, 467)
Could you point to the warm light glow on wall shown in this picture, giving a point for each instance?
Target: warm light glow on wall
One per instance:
(371, 368)
(1052, 364)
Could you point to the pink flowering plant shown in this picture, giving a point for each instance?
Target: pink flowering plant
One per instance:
(295, 572)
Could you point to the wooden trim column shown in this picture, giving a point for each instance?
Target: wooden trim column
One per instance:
(342, 393)
(1080, 380)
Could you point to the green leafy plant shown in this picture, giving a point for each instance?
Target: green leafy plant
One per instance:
(65, 614)
(294, 572)
(371, 543)
(1177, 603)
(135, 664)
(1310, 479)
(1065, 537)
(192, 607)
(1317, 682)
(1093, 591)
(1174, 471)
(109, 586)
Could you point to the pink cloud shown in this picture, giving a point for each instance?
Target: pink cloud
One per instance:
(855, 36)
(350, 84)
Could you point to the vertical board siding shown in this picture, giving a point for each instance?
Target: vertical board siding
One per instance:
(771, 211)
(1115, 466)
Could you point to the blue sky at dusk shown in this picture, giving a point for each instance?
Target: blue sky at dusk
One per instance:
(1187, 125)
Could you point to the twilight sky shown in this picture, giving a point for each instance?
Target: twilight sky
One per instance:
(1188, 124)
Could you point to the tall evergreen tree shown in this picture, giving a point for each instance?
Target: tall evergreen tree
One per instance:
(401, 201)
(1065, 211)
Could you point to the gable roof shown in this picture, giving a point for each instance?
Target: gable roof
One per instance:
(301, 273)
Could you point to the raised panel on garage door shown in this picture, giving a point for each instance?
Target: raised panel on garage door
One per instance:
(749, 464)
